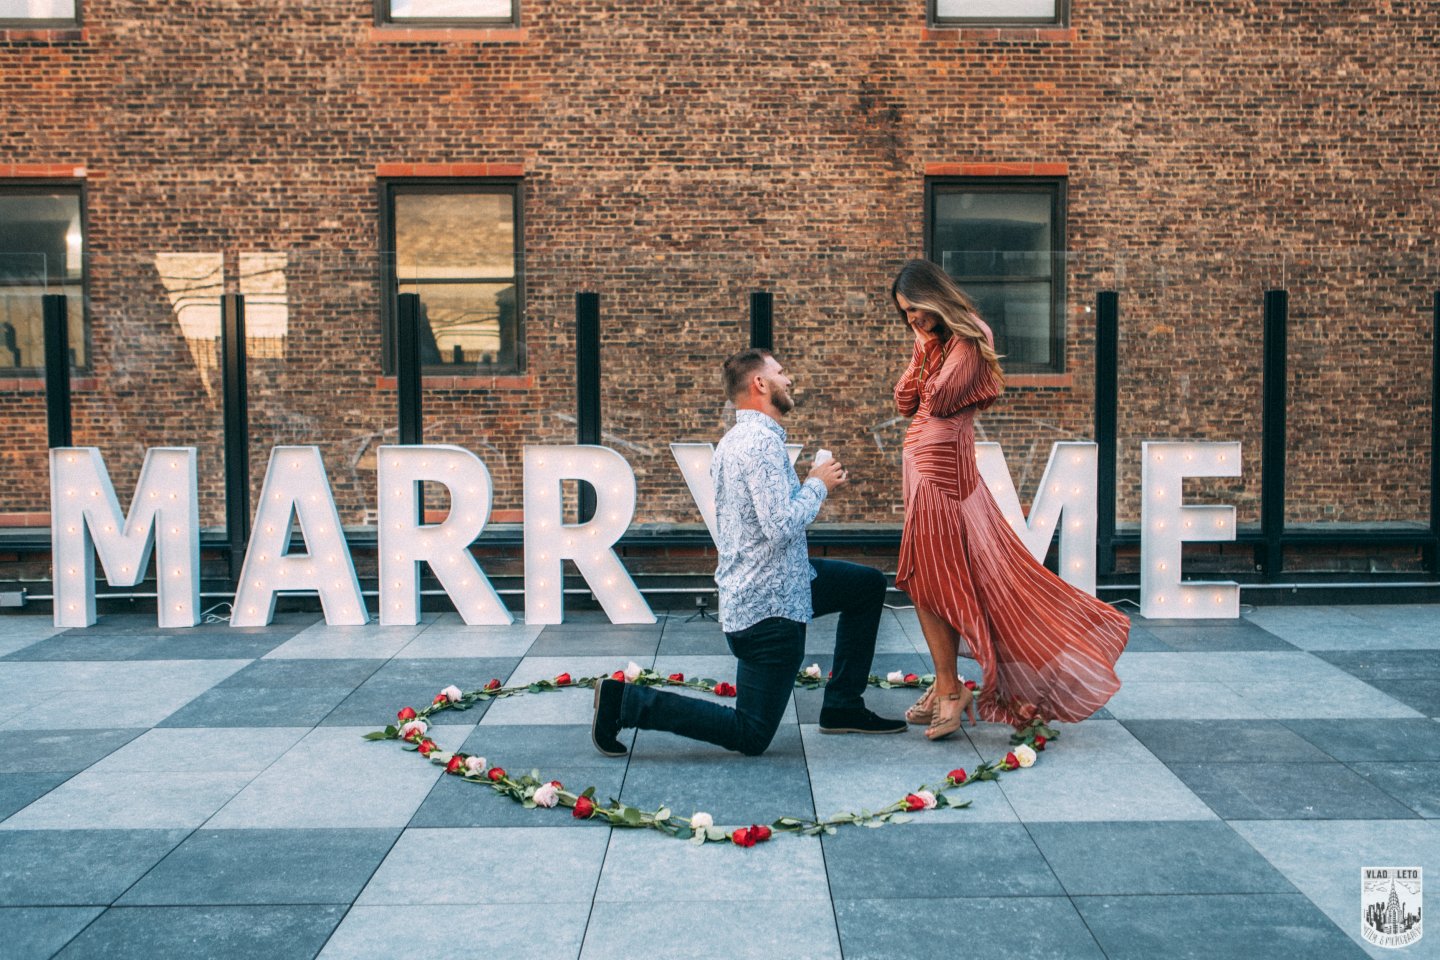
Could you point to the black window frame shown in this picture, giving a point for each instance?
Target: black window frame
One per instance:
(1061, 18)
(389, 284)
(43, 186)
(384, 19)
(1056, 188)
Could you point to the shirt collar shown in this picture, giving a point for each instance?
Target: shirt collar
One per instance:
(763, 419)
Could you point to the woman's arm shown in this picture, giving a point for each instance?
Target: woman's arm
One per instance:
(965, 380)
(907, 391)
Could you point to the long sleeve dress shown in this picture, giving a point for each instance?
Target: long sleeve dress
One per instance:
(1045, 648)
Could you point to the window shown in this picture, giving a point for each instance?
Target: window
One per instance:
(457, 245)
(42, 248)
(39, 13)
(952, 13)
(1003, 241)
(445, 13)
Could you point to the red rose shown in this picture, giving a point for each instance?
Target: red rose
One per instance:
(494, 684)
(723, 689)
(563, 680)
(557, 784)
(760, 833)
(1039, 743)
(584, 808)
(911, 678)
(406, 713)
(439, 698)
(618, 675)
(971, 685)
(743, 837)
(913, 802)
(455, 764)
(678, 677)
(830, 674)
(427, 746)
(957, 776)
(1011, 761)
(496, 774)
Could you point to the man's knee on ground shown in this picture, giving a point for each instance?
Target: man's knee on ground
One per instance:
(754, 740)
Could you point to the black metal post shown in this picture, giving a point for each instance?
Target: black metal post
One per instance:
(55, 315)
(1107, 405)
(762, 325)
(237, 430)
(1435, 436)
(407, 367)
(1272, 443)
(587, 385)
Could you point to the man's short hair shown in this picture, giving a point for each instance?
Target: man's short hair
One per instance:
(741, 367)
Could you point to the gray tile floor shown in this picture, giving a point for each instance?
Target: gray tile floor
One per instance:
(206, 792)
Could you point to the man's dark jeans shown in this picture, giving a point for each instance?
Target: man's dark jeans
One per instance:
(770, 653)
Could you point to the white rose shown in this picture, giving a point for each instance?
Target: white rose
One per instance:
(632, 671)
(474, 766)
(928, 797)
(451, 693)
(413, 726)
(813, 671)
(546, 795)
(701, 821)
(895, 676)
(1025, 755)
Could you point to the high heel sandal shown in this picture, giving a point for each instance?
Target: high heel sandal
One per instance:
(923, 710)
(945, 722)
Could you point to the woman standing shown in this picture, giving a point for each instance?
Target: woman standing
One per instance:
(1046, 649)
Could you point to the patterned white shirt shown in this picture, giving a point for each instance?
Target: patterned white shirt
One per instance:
(761, 512)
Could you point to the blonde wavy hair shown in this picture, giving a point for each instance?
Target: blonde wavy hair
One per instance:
(929, 288)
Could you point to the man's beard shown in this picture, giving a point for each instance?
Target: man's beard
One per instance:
(783, 401)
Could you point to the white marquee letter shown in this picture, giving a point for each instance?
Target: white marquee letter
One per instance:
(296, 487)
(405, 542)
(1165, 523)
(549, 540)
(85, 517)
(1068, 489)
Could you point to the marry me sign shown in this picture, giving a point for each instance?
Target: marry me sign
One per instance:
(86, 521)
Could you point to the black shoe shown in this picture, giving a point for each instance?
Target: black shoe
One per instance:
(605, 723)
(858, 720)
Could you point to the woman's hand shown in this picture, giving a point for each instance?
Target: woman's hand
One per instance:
(925, 327)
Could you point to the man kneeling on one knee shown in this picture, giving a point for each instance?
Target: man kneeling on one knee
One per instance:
(769, 589)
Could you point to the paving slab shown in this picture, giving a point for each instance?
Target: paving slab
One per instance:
(37, 933)
(264, 867)
(241, 932)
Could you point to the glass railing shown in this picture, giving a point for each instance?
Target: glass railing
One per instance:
(501, 371)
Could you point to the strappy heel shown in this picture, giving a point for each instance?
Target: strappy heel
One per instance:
(947, 722)
(923, 710)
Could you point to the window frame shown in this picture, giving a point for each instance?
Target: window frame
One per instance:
(35, 186)
(1061, 18)
(1056, 188)
(384, 19)
(389, 187)
(49, 23)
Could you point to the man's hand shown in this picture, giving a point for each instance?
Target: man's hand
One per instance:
(829, 473)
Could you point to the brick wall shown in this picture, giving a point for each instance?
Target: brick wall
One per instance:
(677, 156)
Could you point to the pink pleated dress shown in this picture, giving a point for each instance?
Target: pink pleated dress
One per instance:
(1045, 648)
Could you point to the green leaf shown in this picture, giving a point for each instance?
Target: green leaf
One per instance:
(830, 831)
(662, 814)
(534, 688)
(631, 815)
(899, 818)
(589, 793)
(378, 735)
